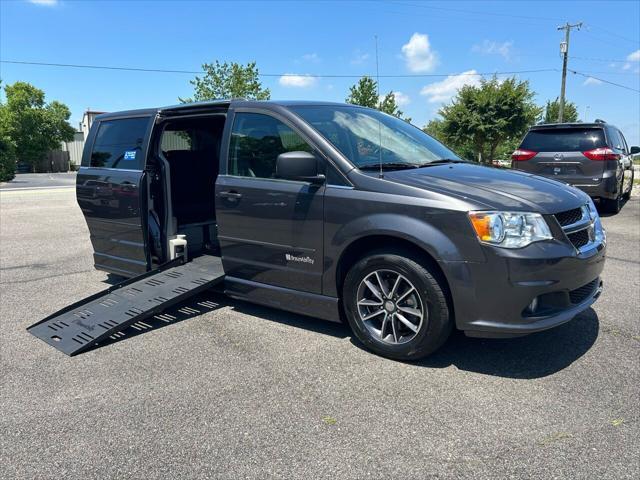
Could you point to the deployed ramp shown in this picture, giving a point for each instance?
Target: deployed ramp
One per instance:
(84, 324)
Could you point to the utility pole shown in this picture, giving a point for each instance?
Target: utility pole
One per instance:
(564, 48)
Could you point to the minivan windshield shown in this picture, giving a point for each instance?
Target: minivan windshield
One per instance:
(369, 138)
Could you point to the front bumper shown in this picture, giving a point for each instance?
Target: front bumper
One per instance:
(491, 299)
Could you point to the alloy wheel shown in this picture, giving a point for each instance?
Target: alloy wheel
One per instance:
(390, 307)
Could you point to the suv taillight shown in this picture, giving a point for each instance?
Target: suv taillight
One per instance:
(521, 155)
(602, 153)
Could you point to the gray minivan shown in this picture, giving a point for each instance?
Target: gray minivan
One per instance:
(591, 156)
(330, 210)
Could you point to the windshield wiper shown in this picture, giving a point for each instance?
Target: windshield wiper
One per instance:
(388, 166)
(441, 161)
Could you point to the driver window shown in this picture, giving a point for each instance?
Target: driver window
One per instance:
(256, 142)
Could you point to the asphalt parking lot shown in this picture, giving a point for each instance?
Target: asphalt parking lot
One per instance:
(242, 391)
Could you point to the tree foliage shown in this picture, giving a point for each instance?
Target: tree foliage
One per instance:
(435, 128)
(365, 94)
(484, 117)
(552, 110)
(228, 80)
(30, 127)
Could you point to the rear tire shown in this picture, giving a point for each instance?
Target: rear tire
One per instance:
(396, 306)
(612, 205)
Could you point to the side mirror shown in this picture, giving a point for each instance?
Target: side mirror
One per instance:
(634, 150)
(301, 166)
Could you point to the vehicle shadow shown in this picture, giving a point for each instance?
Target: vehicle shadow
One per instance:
(604, 214)
(534, 356)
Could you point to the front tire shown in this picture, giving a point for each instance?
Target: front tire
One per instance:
(396, 306)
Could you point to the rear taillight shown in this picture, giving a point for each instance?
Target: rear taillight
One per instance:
(602, 153)
(521, 155)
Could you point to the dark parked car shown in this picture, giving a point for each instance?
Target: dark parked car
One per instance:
(591, 156)
(329, 210)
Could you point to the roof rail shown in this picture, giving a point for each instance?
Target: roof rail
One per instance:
(599, 120)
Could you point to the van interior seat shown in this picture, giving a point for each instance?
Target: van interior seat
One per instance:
(193, 175)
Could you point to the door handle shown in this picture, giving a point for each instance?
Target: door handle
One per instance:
(231, 194)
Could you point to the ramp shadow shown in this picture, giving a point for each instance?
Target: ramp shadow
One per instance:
(211, 300)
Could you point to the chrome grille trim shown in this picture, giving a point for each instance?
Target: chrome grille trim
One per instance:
(571, 230)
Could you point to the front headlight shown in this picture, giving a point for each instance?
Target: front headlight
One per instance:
(599, 232)
(509, 229)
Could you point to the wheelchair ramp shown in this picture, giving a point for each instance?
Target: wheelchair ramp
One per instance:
(86, 323)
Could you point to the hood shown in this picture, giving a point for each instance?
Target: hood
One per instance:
(493, 187)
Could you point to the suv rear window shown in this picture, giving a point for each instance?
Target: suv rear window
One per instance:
(118, 144)
(564, 140)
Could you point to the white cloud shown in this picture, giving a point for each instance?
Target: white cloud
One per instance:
(46, 3)
(446, 89)
(297, 81)
(634, 56)
(402, 99)
(591, 81)
(359, 58)
(626, 66)
(418, 53)
(311, 57)
(489, 47)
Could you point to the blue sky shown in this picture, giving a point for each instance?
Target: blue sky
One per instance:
(418, 38)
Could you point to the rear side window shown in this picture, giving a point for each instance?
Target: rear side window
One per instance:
(256, 142)
(119, 144)
(564, 140)
(616, 139)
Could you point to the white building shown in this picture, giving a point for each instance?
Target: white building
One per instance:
(76, 146)
(87, 120)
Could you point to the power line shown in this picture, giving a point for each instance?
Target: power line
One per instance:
(604, 81)
(635, 42)
(477, 12)
(613, 73)
(598, 59)
(430, 75)
(193, 72)
(603, 40)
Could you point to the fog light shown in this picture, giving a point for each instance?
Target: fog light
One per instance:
(533, 305)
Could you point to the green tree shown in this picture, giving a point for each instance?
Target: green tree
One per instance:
(552, 109)
(436, 130)
(7, 147)
(488, 115)
(30, 127)
(389, 105)
(228, 80)
(365, 94)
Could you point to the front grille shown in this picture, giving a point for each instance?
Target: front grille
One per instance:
(569, 217)
(580, 238)
(579, 295)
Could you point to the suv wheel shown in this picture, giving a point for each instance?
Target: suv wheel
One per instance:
(396, 307)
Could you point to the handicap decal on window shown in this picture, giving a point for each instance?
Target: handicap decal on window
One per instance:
(130, 155)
